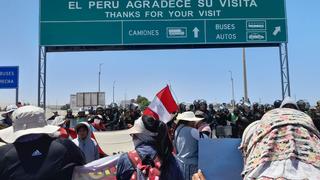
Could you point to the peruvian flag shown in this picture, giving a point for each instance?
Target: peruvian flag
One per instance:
(163, 106)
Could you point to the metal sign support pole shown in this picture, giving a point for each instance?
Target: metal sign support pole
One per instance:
(17, 95)
(17, 89)
(42, 73)
(284, 65)
(245, 82)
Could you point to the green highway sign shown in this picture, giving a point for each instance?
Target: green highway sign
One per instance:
(161, 22)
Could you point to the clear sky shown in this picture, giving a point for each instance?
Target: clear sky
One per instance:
(193, 74)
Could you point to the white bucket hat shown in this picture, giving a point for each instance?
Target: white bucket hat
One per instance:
(58, 121)
(188, 116)
(27, 120)
(9, 109)
(139, 128)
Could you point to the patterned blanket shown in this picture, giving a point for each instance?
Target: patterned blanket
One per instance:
(281, 134)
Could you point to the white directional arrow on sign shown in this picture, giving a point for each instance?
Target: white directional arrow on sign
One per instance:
(196, 32)
(276, 30)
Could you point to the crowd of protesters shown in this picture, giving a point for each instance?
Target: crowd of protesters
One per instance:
(156, 154)
(231, 121)
(219, 121)
(109, 118)
(280, 133)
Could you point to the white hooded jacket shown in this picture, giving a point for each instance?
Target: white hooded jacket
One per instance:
(88, 146)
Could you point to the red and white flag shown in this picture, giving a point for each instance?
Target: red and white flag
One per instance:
(163, 106)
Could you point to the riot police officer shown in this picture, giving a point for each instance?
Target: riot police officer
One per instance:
(277, 103)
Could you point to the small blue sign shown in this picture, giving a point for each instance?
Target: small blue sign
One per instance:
(220, 159)
(9, 77)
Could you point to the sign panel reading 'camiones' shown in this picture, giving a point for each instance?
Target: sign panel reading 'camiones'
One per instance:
(161, 22)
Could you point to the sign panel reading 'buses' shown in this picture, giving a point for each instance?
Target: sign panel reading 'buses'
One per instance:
(161, 22)
(9, 77)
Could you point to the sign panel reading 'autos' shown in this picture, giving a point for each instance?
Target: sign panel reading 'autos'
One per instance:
(161, 22)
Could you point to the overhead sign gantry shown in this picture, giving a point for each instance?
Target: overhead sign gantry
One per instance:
(162, 22)
(96, 25)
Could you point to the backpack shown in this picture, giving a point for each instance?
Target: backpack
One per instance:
(148, 172)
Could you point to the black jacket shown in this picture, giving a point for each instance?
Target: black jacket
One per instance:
(44, 158)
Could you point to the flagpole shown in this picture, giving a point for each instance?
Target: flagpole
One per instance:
(174, 94)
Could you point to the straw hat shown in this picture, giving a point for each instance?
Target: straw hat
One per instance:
(27, 120)
(188, 116)
(9, 109)
(58, 121)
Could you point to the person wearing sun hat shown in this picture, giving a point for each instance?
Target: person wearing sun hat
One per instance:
(152, 157)
(32, 153)
(186, 139)
(7, 121)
